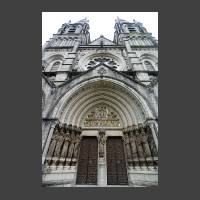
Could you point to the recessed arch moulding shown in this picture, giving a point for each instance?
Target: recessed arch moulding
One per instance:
(129, 106)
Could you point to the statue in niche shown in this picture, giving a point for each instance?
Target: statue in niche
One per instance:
(144, 141)
(102, 141)
(53, 141)
(76, 145)
(127, 145)
(60, 139)
(133, 145)
(65, 146)
(51, 148)
(71, 147)
(139, 144)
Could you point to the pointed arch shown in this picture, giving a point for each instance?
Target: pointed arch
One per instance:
(72, 106)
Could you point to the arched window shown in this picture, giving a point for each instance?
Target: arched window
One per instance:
(148, 65)
(55, 66)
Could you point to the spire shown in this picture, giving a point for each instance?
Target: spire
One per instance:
(121, 20)
(83, 21)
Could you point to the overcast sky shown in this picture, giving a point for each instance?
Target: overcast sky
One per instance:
(101, 23)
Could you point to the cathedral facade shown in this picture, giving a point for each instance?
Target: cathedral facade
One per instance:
(100, 107)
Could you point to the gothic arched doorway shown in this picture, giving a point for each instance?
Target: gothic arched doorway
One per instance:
(105, 109)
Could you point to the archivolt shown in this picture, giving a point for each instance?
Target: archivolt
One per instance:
(127, 103)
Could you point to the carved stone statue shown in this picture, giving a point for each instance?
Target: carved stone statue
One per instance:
(60, 140)
(134, 148)
(52, 145)
(102, 141)
(144, 138)
(139, 147)
(76, 145)
(127, 145)
(71, 147)
(65, 147)
(51, 149)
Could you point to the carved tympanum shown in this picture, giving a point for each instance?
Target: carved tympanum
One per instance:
(101, 116)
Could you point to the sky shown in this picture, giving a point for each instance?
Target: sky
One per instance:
(101, 23)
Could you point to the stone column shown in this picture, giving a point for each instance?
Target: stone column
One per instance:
(48, 141)
(154, 133)
(102, 170)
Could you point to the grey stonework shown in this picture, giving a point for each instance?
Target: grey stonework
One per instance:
(79, 75)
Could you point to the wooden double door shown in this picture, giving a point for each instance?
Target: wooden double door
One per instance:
(116, 165)
(88, 162)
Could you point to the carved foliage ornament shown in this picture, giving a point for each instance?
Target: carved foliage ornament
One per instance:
(101, 71)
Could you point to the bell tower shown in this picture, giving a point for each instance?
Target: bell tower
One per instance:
(137, 34)
(71, 34)
(67, 40)
(134, 36)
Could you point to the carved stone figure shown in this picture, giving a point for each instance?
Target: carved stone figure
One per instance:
(139, 147)
(127, 145)
(151, 142)
(60, 140)
(51, 148)
(52, 144)
(134, 148)
(102, 141)
(71, 147)
(65, 147)
(76, 145)
(144, 138)
(102, 116)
